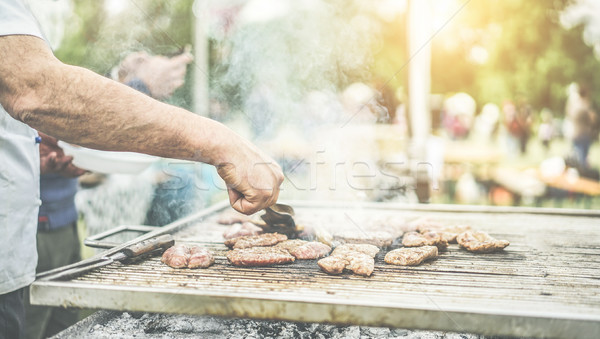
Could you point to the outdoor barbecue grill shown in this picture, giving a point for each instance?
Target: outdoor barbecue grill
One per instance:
(545, 284)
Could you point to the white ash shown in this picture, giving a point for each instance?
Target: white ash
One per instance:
(107, 325)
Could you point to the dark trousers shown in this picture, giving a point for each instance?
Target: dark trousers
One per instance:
(12, 315)
(55, 248)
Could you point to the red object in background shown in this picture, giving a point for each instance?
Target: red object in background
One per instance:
(501, 197)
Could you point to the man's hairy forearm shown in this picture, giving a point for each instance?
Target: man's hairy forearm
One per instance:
(79, 106)
(100, 113)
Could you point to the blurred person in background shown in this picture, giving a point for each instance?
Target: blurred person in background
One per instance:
(518, 121)
(546, 129)
(577, 100)
(78, 106)
(585, 132)
(486, 123)
(581, 123)
(512, 128)
(458, 114)
(154, 75)
(525, 120)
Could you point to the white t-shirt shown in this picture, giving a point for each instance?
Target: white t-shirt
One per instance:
(19, 174)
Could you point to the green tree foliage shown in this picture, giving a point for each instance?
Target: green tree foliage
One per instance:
(99, 40)
(530, 57)
(83, 31)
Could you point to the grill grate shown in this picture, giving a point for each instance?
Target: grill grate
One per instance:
(546, 283)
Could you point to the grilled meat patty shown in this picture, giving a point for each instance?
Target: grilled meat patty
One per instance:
(360, 263)
(368, 249)
(480, 242)
(259, 256)
(262, 254)
(411, 255)
(378, 238)
(176, 256)
(301, 249)
(357, 258)
(333, 264)
(431, 238)
(266, 239)
(448, 233)
(240, 230)
(182, 256)
(200, 257)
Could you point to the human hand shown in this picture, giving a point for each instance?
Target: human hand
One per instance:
(160, 74)
(54, 160)
(252, 178)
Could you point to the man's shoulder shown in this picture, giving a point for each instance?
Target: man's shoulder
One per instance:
(17, 19)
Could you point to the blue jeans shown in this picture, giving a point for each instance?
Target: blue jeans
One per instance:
(581, 146)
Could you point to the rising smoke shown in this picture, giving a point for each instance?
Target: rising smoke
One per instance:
(276, 67)
(298, 74)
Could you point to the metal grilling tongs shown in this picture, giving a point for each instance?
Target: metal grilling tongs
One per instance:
(280, 218)
(132, 251)
(279, 215)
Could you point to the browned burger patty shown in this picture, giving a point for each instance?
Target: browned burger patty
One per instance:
(423, 226)
(333, 264)
(411, 255)
(267, 239)
(259, 256)
(290, 243)
(303, 250)
(357, 258)
(240, 230)
(423, 223)
(415, 239)
(448, 233)
(176, 256)
(480, 242)
(200, 257)
(378, 238)
(360, 263)
(182, 256)
(368, 249)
